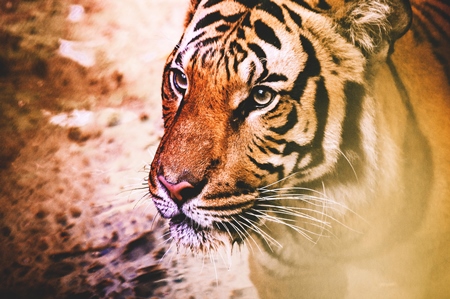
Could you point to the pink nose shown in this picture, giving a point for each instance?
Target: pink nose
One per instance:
(175, 189)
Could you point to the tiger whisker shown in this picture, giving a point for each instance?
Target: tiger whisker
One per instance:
(203, 263)
(171, 240)
(146, 195)
(165, 241)
(211, 257)
(261, 232)
(229, 233)
(132, 191)
(228, 264)
(256, 228)
(263, 214)
(154, 220)
(314, 203)
(243, 234)
(290, 212)
(284, 189)
(149, 205)
(350, 163)
(326, 223)
(302, 231)
(174, 253)
(312, 200)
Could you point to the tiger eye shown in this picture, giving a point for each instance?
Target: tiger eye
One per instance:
(262, 96)
(179, 81)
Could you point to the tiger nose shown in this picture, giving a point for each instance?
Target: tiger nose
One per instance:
(176, 191)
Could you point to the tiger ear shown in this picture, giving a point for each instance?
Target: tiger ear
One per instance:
(191, 10)
(373, 25)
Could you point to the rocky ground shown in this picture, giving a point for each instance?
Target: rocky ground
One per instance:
(80, 117)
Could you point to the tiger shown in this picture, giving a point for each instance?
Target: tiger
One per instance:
(314, 132)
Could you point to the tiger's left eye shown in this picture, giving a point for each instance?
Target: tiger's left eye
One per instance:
(262, 96)
(178, 81)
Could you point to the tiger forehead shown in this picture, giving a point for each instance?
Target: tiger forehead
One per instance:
(222, 28)
(225, 43)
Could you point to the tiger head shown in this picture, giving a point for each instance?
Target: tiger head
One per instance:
(259, 93)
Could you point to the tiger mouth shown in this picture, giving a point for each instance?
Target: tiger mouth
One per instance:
(222, 225)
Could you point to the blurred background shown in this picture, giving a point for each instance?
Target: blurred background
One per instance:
(80, 118)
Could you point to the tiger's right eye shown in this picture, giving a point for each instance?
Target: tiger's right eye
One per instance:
(179, 81)
(262, 96)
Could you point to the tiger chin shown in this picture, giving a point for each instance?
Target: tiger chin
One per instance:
(288, 128)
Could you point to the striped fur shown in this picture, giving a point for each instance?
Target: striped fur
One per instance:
(284, 123)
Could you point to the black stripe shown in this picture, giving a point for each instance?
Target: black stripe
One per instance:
(208, 20)
(233, 18)
(211, 3)
(443, 11)
(215, 17)
(351, 131)
(419, 24)
(196, 38)
(276, 78)
(238, 58)
(275, 115)
(261, 148)
(263, 75)
(312, 68)
(312, 65)
(222, 28)
(205, 55)
(248, 3)
(323, 5)
(236, 46)
(250, 149)
(289, 148)
(179, 58)
(443, 61)
(246, 21)
(264, 32)
(252, 73)
(267, 147)
(194, 56)
(241, 33)
(273, 150)
(264, 142)
(321, 106)
(293, 147)
(227, 61)
(262, 58)
(430, 12)
(269, 167)
(291, 121)
(304, 4)
(272, 9)
(294, 16)
(208, 41)
(276, 141)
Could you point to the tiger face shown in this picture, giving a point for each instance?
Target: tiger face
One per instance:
(257, 94)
